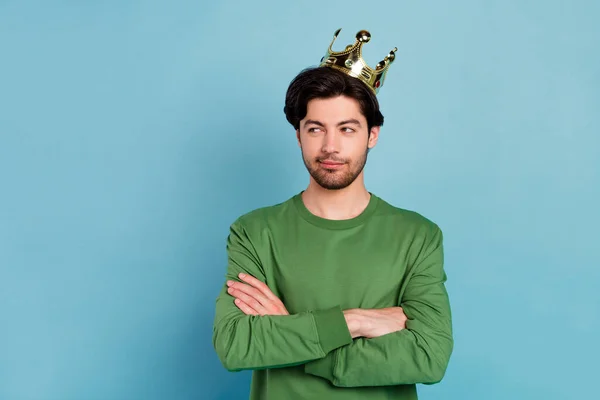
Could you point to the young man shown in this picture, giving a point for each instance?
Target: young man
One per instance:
(334, 293)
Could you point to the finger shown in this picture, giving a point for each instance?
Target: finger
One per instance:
(246, 309)
(266, 297)
(252, 292)
(264, 289)
(249, 300)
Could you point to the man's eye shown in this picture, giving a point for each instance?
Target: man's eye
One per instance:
(348, 130)
(313, 129)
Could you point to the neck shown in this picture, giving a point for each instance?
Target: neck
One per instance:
(336, 204)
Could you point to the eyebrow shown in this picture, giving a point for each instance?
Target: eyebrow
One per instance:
(349, 121)
(344, 122)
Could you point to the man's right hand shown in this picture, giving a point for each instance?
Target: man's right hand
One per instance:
(376, 322)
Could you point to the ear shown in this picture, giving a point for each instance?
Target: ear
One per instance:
(298, 137)
(373, 137)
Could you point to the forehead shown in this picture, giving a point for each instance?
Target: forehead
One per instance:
(333, 109)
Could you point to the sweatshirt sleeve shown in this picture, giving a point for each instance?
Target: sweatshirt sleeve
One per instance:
(418, 354)
(246, 342)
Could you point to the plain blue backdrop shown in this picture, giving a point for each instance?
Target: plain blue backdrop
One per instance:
(132, 133)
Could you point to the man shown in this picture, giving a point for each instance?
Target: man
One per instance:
(334, 293)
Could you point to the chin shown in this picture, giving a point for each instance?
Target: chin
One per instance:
(333, 184)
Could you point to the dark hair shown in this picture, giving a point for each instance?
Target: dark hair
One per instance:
(326, 82)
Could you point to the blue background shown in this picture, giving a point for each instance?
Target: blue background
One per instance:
(132, 133)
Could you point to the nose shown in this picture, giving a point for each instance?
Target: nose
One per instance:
(331, 142)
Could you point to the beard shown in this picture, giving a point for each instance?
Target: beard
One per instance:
(339, 178)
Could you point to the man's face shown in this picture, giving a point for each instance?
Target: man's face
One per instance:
(334, 139)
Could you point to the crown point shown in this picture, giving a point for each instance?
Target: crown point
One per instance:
(392, 56)
(363, 36)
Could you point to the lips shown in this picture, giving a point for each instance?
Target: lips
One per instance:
(331, 164)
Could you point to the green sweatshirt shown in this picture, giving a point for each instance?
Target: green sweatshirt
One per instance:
(384, 257)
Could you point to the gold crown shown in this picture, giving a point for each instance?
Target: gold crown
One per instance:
(351, 62)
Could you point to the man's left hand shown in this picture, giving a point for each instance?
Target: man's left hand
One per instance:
(372, 323)
(254, 297)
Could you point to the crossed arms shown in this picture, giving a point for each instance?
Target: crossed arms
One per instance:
(410, 343)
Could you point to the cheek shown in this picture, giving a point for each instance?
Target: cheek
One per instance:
(358, 148)
(310, 148)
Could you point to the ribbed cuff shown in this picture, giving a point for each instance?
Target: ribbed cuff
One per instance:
(332, 328)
